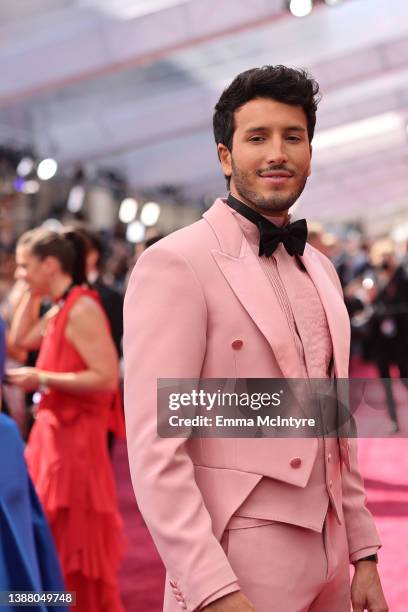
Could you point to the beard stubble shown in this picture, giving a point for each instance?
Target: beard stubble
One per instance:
(276, 203)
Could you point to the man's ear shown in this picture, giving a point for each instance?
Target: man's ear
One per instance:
(224, 156)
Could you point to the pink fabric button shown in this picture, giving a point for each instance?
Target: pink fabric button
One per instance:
(296, 462)
(237, 344)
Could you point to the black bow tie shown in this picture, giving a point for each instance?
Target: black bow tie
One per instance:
(293, 236)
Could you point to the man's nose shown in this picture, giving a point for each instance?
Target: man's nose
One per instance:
(276, 153)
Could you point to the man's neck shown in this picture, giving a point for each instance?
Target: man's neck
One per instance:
(278, 218)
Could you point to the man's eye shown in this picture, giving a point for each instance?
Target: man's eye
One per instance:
(294, 138)
(256, 139)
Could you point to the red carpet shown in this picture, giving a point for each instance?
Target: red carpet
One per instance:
(142, 572)
(384, 465)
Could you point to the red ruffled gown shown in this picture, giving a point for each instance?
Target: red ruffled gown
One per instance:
(69, 463)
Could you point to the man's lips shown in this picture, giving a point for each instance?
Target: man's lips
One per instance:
(276, 177)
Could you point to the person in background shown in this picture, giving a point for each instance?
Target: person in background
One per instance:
(111, 300)
(14, 399)
(389, 322)
(112, 303)
(77, 375)
(139, 248)
(28, 559)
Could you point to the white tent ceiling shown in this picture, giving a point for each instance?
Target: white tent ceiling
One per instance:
(132, 85)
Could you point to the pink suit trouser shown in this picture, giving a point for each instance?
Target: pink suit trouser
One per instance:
(286, 568)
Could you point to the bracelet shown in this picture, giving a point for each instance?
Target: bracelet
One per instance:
(368, 558)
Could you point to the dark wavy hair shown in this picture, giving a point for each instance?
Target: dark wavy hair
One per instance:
(67, 246)
(288, 85)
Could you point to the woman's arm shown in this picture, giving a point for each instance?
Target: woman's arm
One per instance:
(87, 330)
(27, 329)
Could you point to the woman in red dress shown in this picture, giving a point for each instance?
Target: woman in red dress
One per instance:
(77, 375)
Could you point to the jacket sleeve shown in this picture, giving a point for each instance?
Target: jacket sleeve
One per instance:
(362, 534)
(165, 322)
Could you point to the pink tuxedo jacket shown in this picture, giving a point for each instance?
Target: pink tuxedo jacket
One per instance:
(189, 297)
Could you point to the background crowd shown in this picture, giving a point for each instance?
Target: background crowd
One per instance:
(373, 273)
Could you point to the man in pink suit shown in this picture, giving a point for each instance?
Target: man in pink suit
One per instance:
(248, 524)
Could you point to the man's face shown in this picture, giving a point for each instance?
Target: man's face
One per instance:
(34, 271)
(270, 158)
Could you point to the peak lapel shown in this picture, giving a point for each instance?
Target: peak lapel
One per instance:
(243, 272)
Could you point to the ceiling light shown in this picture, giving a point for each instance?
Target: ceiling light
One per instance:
(132, 10)
(357, 130)
(300, 8)
(150, 214)
(76, 198)
(135, 232)
(47, 169)
(25, 166)
(128, 210)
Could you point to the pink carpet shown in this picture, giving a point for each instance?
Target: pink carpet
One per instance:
(384, 465)
(142, 573)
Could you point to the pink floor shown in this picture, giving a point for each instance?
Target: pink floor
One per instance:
(384, 465)
(142, 573)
